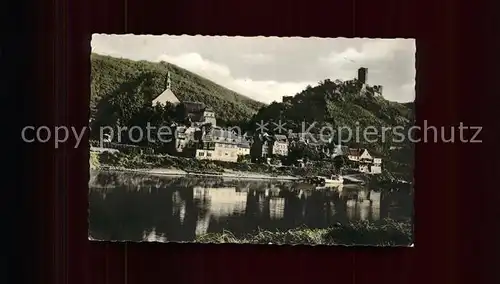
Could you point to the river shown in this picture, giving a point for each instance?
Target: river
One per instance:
(135, 207)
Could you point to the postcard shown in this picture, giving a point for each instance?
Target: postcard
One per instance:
(252, 140)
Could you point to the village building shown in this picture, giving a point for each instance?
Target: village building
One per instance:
(376, 168)
(359, 155)
(317, 142)
(265, 145)
(244, 148)
(220, 145)
(260, 146)
(295, 140)
(198, 113)
(366, 163)
(287, 99)
(364, 168)
(247, 139)
(340, 150)
(208, 116)
(183, 140)
(167, 95)
(279, 145)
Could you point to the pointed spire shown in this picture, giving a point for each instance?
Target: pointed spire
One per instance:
(169, 82)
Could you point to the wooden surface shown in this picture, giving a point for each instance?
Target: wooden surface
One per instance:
(453, 181)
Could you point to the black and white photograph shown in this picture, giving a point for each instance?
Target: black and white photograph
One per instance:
(252, 140)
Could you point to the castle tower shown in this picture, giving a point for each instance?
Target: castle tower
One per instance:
(363, 75)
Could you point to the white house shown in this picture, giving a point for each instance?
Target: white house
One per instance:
(208, 116)
(221, 145)
(359, 155)
(280, 145)
(366, 163)
(376, 168)
(244, 149)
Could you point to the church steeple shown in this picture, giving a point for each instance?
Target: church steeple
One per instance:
(168, 81)
(167, 95)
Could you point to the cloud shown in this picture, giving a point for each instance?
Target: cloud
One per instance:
(257, 58)
(264, 91)
(268, 91)
(195, 63)
(266, 69)
(383, 49)
(390, 63)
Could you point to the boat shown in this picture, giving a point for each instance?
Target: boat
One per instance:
(332, 180)
(325, 181)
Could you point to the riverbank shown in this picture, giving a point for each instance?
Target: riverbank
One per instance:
(166, 165)
(227, 174)
(172, 165)
(382, 233)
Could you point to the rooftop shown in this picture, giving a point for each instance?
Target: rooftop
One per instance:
(222, 135)
(244, 145)
(281, 138)
(166, 96)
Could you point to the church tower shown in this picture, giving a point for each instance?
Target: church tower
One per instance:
(167, 95)
(168, 81)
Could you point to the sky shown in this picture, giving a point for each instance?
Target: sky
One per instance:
(268, 68)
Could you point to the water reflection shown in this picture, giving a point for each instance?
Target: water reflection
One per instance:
(146, 208)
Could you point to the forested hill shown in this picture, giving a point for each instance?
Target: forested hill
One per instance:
(339, 104)
(145, 80)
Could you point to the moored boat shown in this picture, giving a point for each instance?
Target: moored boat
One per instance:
(332, 180)
(325, 181)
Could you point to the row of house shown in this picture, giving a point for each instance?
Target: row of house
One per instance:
(200, 137)
(366, 163)
(226, 145)
(215, 143)
(222, 145)
(279, 145)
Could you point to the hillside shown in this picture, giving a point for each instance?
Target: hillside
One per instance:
(342, 104)
(339, 104)
(144, 80)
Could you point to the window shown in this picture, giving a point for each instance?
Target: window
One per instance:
(209, 154)
(201, 154)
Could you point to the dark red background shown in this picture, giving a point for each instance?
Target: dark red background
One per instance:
(456, 225)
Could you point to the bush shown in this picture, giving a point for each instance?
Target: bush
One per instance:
(94, 160)
(385, 232)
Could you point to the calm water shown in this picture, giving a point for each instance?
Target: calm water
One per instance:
(150, 208)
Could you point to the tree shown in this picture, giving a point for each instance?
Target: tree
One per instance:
(244, 159)
(339, 162)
